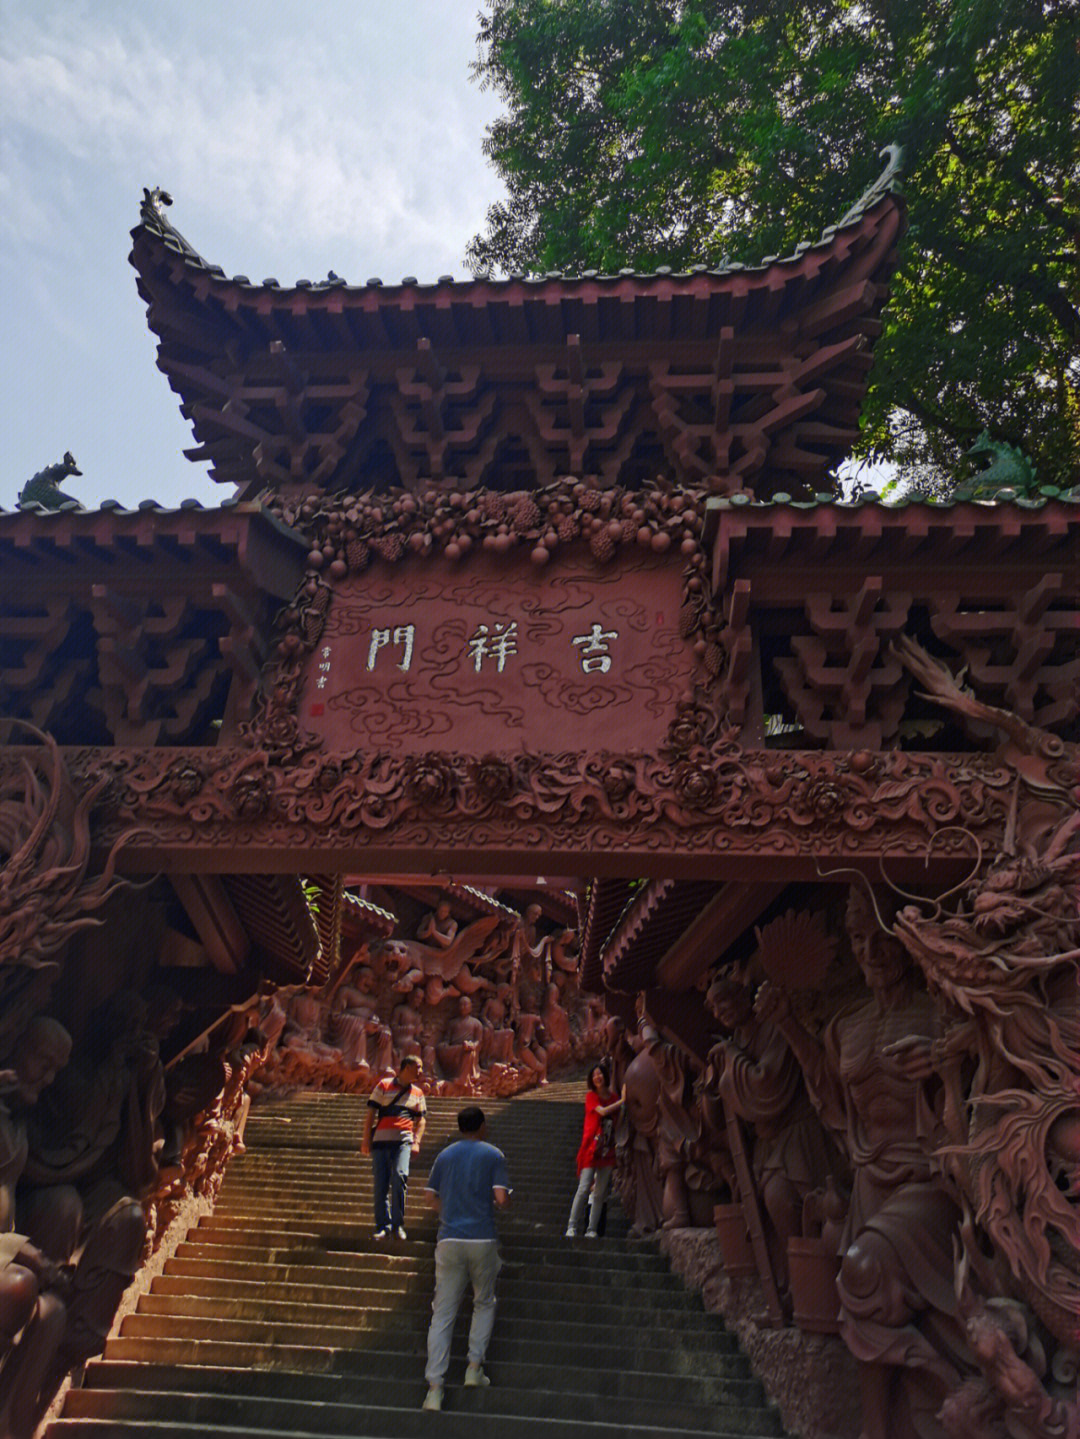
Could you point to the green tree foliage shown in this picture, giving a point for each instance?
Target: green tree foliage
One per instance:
(673, 132)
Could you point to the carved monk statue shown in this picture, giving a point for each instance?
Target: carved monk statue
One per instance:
(758, 1078)
(459, 1056)
(557, 1033)
(530, 931)
(438, 927)
(533, 966)
(529, 1052)
(303, 1032)
(497, 1045)
(31, 1285)
(897, 1302)
(410, 1030)
(365, 1041)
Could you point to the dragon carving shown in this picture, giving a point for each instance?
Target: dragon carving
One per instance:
(1003, 966)
(46, 895)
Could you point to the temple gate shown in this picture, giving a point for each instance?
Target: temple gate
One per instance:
(534, 698)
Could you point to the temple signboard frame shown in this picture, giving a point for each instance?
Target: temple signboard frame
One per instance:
(495, 656)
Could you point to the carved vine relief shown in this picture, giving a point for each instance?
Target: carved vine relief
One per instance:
(716, 798)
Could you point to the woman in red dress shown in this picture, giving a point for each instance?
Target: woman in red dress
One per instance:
(596, 1154)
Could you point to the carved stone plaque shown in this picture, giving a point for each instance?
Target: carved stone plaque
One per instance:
(493, 657)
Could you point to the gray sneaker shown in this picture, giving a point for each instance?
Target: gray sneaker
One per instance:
(475, 1378)
(433, 1398)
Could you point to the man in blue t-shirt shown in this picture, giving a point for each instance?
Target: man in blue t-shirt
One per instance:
(467, 1181)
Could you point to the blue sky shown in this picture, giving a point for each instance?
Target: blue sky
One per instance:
(294, 138)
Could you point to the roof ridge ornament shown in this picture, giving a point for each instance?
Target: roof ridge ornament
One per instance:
(153, 200)
(887, 183)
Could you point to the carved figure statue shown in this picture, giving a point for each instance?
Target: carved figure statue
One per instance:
(91, 1161)
(655, 1086)
(497, 958)
(558, 1038)
(438, 927)
(303, 1033)
(364, 1040)
(409, 1028)
(497, 1046)
(759, 1080)
(32, 1287)
(564, 951)
(459, 1056)
(529, 1052)
(617, 1047)
(532, 961)
(44, 488)
(868, 1078)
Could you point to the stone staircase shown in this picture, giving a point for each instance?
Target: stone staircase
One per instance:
(280, 1315)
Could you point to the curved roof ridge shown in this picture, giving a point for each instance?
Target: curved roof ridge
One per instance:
(887, 183)
(155, 222)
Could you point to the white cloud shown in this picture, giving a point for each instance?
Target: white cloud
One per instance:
(294, 137)
(296, 144)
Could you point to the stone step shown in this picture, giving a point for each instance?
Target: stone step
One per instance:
(407, 1279)
(514, 1402)
(355, 1202)
(598, 1258)
(412, 1315)
(356, 1235)
(407, 1365)
(465, 1415)
(279, 1314)
(343, 1178)
(635, 1350)
(671, 1308)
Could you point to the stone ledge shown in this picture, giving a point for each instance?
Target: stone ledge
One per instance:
(812, 1378)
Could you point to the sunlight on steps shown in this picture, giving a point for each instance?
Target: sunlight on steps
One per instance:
(280, 1315)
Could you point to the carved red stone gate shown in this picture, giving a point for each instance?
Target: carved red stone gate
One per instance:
(533, 585)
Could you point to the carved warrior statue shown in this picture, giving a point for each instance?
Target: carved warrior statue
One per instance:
(658, 1130)
(759, 1081)
(869, 1077)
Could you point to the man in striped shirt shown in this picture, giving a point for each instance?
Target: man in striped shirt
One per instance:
(393, 1128)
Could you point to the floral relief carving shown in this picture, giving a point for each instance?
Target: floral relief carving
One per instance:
(347, 531)
(715, 799)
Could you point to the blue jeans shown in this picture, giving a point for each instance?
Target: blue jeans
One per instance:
(390, 1164)
(459, 1262)
(602, 1180)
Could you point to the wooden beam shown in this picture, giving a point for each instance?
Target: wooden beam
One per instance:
(216, 921)
(716, 928)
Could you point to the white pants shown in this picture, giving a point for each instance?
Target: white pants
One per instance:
(457, 1262)
(602, 1179)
